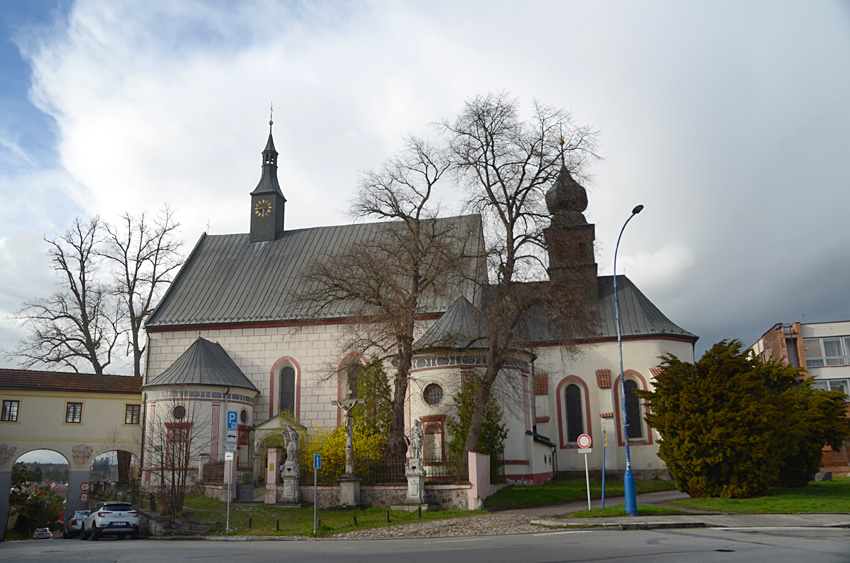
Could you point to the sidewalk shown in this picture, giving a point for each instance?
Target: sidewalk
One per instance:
(552, 516)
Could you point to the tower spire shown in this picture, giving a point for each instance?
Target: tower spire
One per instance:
(267, 201)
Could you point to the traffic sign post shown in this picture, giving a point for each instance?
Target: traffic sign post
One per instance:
(228, 456)
(317, 464)
(232, 435)
(584, 442)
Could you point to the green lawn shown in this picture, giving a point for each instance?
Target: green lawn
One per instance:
(265, 520)
(620, 510)
(827, 497)
(562, 490)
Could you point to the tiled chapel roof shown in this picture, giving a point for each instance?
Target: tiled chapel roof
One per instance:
(67, 381)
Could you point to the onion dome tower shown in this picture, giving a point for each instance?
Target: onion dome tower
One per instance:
(570, 238)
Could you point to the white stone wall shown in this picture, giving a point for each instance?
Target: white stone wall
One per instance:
(639, 357)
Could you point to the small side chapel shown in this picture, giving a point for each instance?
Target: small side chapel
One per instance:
(229, 336)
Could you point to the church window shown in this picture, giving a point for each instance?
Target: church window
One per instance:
(575, 416)
(348, 385)
(433, 394)
(433, 444)
(287, 390)
(633, 410)
(179, 412)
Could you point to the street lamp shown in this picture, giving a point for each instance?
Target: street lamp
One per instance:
(628, 478)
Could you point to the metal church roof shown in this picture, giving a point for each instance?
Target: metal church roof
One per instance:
(638, 315)
(458, 328)
(461, 326)
(228, 279)
(203, 363)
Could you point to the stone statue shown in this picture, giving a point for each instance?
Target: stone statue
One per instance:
(414, 441)
(291, 443)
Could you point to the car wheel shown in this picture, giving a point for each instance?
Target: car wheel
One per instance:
(83, 533)
(95, 535)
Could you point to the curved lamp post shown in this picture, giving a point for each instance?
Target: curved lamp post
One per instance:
(628, 478)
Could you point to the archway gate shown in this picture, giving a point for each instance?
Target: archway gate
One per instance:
(79, 416)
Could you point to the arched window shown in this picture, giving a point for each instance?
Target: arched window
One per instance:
(287, 390)
(348, 379)
(433, 444)
(575, 417)
(633, 410)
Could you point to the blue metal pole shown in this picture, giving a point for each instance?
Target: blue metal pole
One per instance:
(628, 477)
(604, 446)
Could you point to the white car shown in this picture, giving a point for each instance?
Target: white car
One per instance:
(111, 518)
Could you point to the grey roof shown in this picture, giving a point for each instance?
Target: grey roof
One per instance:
(203, 363)
(461, 326)
(458, 328)
(228, 279)
(638, 315)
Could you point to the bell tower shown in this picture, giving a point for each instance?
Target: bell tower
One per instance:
(570, 238)
(267, 201)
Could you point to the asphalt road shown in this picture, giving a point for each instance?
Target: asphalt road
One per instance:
(775, 545)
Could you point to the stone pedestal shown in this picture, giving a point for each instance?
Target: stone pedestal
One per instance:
(291, 493)
(349, 490)
(415, 472)
(271, 476)
(289, 475)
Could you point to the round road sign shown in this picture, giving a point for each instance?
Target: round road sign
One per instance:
(85, 486)
(84, 497)
(584, 441)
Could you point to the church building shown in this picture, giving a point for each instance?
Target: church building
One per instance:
(231, 335)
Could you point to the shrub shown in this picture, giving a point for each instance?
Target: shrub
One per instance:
(732, 426)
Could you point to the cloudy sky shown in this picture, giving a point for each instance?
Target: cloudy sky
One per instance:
(728, 120)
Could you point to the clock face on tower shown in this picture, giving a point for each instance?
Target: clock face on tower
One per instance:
(263, 208)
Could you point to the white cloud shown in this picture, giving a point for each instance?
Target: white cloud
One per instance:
(718, 118)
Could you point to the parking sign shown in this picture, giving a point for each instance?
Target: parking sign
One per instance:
(232, 423)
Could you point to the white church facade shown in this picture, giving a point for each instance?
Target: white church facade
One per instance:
(229, 335)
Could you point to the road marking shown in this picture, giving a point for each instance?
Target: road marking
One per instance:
(459, 540)
(569, 532)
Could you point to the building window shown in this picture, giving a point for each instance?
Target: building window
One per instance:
(842, 385)
(131, 414)
(633, 410)
(179, 412)
(349, 375)
(433, 443)
(287, 390)
(433, 394)
(74, 412)
(575, 417)
(177, 444)
(833, 351)
(10, 411)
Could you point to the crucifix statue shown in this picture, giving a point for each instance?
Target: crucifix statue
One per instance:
(346, 405)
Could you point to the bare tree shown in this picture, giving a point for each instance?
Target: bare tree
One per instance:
(384, 280)
(179, 434)
(145, 254)
(83, 322)
(507, 164)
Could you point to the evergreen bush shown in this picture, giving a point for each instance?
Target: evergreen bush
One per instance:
(731, 426)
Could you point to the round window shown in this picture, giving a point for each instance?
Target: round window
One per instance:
(179, 412)
(433, 394)
(243, 416)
